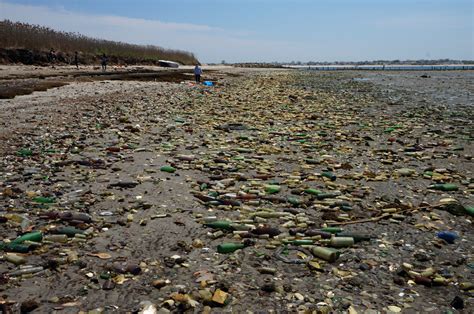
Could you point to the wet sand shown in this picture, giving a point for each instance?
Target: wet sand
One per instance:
(254, 128)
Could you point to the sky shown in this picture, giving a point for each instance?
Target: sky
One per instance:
(268, 30)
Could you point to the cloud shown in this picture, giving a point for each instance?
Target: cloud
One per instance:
(210, 44)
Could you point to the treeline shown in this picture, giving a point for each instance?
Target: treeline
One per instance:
(258, 65)
(38, 40)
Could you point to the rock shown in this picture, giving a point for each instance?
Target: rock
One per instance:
(399, 281)
(394, 309)
(364, 267)
(206, 295)
(405, 172)
(422, 256)
(160, 283)
(206, 310)
(108, 285)
(453, 208)
(197, 243)
(29, 306)
(457, 303)
(147, 308)
(355, 281)
(125, 184)
(266, 270)
(220, 297)
(445, 273)
(268, 287)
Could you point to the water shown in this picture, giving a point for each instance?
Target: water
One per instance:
(405, 67)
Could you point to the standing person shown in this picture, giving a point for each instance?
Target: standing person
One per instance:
(197, 73)
(52, 57)
(104, 62)
(76, 59)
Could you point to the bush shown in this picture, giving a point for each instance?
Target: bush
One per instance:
(16, 35)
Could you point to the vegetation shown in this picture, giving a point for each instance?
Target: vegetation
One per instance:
(40, 39)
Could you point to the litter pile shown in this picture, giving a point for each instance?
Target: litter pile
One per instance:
(271, 190)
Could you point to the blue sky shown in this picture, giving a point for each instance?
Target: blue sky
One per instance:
(269, 30)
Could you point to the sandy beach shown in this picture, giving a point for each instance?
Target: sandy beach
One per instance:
(141, 163)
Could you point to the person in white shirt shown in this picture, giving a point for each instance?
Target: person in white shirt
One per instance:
(197, 73)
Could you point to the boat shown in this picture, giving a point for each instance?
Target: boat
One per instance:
(168, 64)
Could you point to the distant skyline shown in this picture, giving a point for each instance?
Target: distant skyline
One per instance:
(268, 30)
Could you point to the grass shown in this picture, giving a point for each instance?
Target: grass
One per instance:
(16, 35)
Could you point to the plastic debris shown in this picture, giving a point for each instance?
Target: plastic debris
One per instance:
(302, 192)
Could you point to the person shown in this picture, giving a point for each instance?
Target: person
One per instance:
(104, 62)
(197, 73)
(52, 57)
(76, 59)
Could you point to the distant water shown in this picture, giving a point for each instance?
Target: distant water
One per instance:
(381, 67)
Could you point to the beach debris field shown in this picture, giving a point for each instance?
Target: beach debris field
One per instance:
(283, 190)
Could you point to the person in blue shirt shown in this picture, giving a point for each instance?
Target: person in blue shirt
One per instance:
(104, 60)
(197, 73)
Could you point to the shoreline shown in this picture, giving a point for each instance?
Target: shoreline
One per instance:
(387, 67)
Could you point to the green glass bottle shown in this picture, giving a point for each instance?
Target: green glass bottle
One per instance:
(326, 195)
(332, 229)
(444, 187)
(341, 242)
(312, 191)
(272, 188)
(44, 200)
(294, 201)
(168, 169)
(229, 247)
(69, 231)
(14, 259)
(56, 238)
(329, 175)
(243, 150)
(314, 232)
(428, 174)
(265, 214)
(469, 210)
(327, 254)
(24, 152)
(17, 248)
(346, 208)
(358, 237)
(312, 161)
(36, 236)
(220, 224)
(299, 242)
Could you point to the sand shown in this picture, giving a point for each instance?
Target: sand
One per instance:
(253, 128)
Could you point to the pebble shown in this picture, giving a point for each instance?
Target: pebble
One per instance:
(337, 153)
